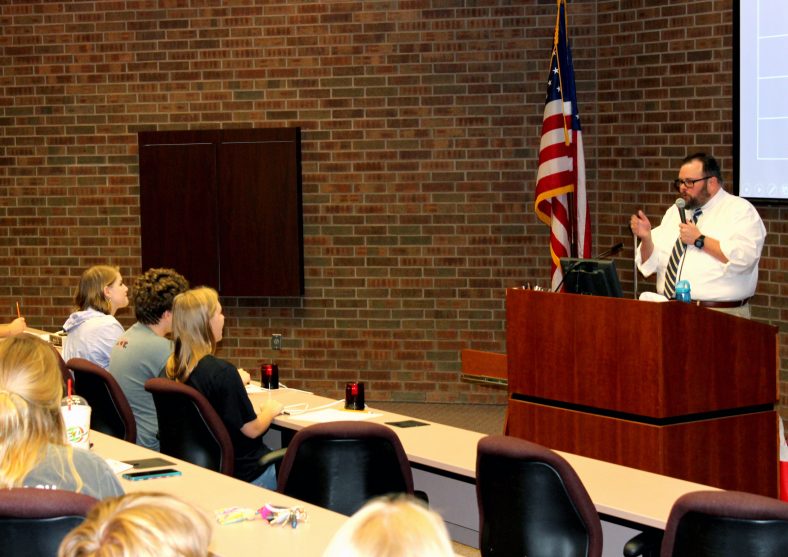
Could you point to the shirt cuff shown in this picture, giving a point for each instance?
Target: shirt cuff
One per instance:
(649, 267)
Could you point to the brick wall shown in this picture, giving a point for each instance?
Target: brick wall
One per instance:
(420, 135)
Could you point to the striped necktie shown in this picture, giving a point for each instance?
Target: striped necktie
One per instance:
(671, 274)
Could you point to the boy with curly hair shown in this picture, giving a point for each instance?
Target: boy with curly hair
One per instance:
(142, 351)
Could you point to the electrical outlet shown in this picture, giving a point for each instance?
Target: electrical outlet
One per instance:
(276, 342)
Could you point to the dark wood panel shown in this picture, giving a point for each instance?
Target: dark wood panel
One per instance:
(260, 210)
(738, 452)
(646, 359)
(223, 207)
(178, 214)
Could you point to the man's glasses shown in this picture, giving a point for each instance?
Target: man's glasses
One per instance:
(689, 183)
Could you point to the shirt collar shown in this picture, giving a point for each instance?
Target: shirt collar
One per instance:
(715, 200)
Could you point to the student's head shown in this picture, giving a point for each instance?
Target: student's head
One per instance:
(197, 323)
(154, 292)
(140, 525)
(31, 387)
(399, 527)
(101, 288)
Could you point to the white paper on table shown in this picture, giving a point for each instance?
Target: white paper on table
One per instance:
(38, 334)
(118, 466)
(254, 389)
(335, 415)
(293, 390)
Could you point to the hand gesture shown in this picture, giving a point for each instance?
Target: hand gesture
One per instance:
(640, 225)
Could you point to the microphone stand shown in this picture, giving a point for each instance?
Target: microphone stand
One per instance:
(564, 275)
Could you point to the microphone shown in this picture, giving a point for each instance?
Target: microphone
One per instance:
(614, 249)
(680, 204)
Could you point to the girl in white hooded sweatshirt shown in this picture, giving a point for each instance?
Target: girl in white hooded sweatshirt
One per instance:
(92, 329)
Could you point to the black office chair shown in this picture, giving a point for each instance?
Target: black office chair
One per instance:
(726, 524)
(189, 427)
(110, 412)
(342, 465)
(531, 502)
(33, 522)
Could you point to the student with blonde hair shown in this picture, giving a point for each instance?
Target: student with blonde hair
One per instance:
(197, 323)
(140, 525)
(392, 527)
(33, 447)
(93, 330)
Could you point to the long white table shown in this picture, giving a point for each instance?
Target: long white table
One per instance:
(444, 460)
(212, 491)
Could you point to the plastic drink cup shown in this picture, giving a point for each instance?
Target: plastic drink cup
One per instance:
(76, 417)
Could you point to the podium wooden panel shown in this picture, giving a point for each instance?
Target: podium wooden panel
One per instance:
(489, 368)
(670, 388)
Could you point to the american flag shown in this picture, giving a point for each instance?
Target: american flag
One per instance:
(561, 179)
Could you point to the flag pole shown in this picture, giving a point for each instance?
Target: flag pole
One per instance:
(571, 199)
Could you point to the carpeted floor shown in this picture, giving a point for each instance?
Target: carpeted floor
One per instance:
(484, 418)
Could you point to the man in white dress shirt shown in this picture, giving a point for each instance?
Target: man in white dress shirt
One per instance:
(723, 246)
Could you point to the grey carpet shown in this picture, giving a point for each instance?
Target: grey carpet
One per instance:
(484, 418)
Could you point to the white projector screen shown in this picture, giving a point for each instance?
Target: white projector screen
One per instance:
(761, 127)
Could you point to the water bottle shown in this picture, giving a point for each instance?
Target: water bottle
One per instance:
(683, 291)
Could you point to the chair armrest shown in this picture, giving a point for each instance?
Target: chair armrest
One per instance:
(645, 544)
(273, 457)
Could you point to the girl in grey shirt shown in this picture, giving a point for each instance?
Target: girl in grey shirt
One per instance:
(33, 448)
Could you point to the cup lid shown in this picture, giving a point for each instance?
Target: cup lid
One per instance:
(73, 400)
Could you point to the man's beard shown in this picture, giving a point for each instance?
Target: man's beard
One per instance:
(699, 200)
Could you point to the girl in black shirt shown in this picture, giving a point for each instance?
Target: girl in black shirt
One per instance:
(197, 323)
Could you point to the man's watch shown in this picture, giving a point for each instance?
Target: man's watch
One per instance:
(700, 241)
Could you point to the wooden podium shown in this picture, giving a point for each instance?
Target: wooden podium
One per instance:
(670, 388)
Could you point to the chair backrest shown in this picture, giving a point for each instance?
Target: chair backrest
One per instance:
(342, 465)
(33, 522)
(64, 371)
(531, 502)
(189, 427)
(110, 411)
(726, 524)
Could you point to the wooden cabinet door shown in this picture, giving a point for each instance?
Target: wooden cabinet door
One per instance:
(260, 247)
(178, 213)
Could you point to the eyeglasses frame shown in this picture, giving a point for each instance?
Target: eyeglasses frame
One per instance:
(689, 183)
